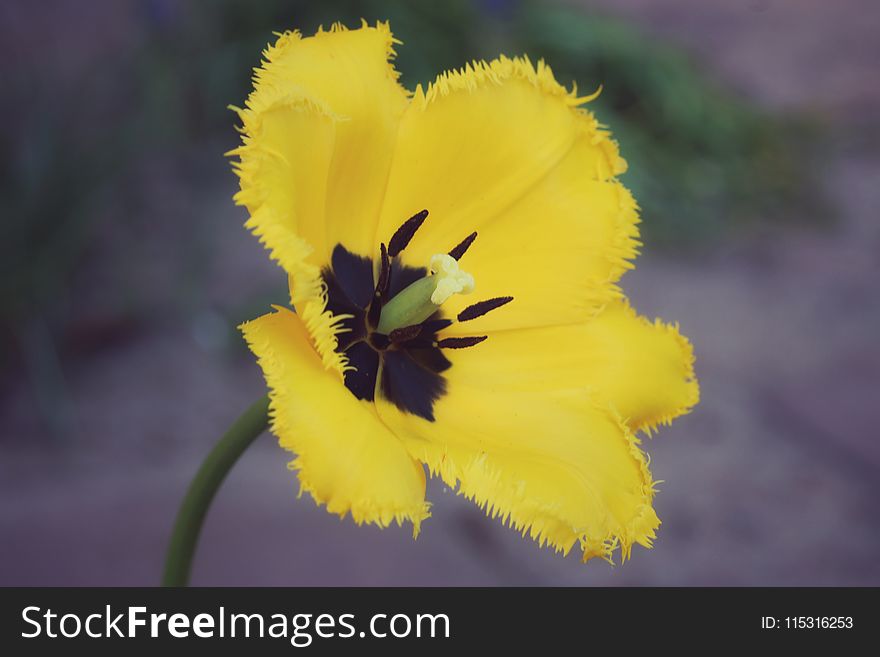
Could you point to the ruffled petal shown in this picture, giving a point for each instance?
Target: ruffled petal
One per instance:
(554, 464)
(284, 192)
(346, 458)
(504, 150)
(318, 132)
(349, 72)
(644, 369)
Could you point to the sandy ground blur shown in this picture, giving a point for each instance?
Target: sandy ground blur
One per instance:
(772, 480)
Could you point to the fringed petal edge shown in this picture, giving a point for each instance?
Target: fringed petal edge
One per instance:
(480, 482)
(281, 424)
(651, 424)
(308, 289)
(479, 73)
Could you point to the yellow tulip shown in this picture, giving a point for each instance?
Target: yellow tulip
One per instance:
(453, 256)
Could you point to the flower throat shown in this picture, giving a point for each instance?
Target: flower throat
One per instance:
(390, 330)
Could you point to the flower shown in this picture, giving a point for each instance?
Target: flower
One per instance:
(453, 256)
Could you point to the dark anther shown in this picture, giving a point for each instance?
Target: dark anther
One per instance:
(374, 312)
(460, 343)
(481, 308)
(384, 272)
(405, 233)
(436, 325)
(375, 309)
(465, 244)
(405, 333)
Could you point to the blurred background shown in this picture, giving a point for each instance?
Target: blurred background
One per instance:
(753, 138)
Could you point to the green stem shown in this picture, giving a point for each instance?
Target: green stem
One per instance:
(188, 525)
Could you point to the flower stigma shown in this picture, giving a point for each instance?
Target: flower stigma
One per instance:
(421, 299)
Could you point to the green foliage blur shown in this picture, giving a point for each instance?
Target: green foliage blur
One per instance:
(701, 162)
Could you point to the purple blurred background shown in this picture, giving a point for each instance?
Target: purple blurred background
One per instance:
(121, 365)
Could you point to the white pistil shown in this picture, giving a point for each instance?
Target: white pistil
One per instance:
(451, 279)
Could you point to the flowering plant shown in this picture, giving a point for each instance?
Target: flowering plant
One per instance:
(453, 256)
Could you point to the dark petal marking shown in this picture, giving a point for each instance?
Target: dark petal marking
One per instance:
(402, 277)
(409, 386)
(463, 246)
(411, 376)
(362, 380)
(422, 342)
(374, 313)
(482, 307)
(356, 332)
(354, 274)
(405, 333)
(338, 304)
(405, 233)
(460, 343)
(337, 301)
(430, 358)
(379, 341)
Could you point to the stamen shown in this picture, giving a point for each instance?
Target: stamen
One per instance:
(482, 307)
(405, 333)
(435, 325)
(405, 233)
(460, 343)
(384, 272)
(463, 246)
(375, 309)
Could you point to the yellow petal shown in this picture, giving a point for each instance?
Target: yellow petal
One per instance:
(283, 191)
(553, 464)
(346, 458)
(318, 133)
(643, 369)
(349, 73)
(502, 149)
